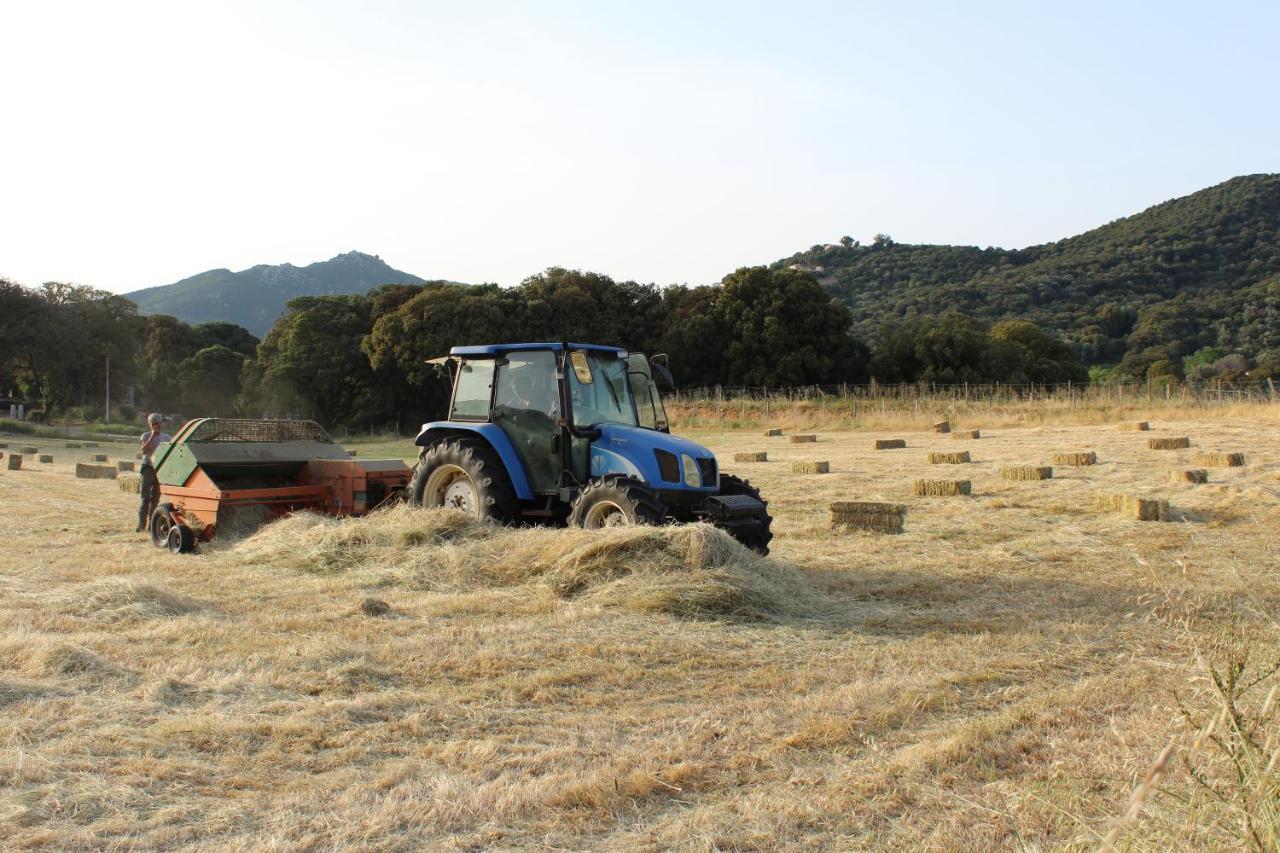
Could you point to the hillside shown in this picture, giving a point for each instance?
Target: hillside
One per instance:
(253, 298)
(1202, 270)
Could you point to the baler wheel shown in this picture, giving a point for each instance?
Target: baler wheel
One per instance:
(161, 522)
(181, 539)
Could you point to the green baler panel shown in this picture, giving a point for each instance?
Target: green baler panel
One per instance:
(177, 466)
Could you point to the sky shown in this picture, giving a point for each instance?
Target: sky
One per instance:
(666, 142)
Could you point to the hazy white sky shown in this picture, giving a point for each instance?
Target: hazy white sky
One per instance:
(660, 141)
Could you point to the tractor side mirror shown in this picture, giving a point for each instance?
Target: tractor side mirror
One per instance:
(661, 375)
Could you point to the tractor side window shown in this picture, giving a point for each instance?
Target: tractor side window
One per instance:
(643, 392)
(527, 383)
(472, 392)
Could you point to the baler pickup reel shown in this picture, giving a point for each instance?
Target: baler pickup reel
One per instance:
(225, 473)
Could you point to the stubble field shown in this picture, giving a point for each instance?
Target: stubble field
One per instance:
(1002, 675)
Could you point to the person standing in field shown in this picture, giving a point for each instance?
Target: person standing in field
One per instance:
(150, 486)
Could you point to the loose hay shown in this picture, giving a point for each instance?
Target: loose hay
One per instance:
(124, 465)
(872, 516)
(942, 488)
(772, 433)
(810, 467)
(15, 462)
(957, 458)
(95, 472)
(1135, 426)
(759, 456)
(1027, 472)
(803, 438)
(942, 427)
(1139, 509)
(99, 457)
(966, 435)
(1168, 443)
(1220, 460)
(129, 483)
(890, 443)
(1076, 459)
(1192, 475)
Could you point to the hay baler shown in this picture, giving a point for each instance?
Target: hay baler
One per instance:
(225, 472)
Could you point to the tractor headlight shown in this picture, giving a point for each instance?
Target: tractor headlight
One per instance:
(692, 476)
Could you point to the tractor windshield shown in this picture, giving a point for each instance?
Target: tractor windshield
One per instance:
(607, 398)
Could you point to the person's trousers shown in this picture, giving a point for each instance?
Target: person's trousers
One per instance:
(150, 491)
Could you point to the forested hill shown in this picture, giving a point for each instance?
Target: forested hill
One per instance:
(255, 297)
(1203, 270)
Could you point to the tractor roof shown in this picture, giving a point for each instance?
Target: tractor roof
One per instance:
(496, 349)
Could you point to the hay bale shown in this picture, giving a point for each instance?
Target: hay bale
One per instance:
(30, 451)
(1076, 459)
(129, 483)
(1139, 509)
(966, 435)
(1027, 472)
(91, 444)
(872, 516)
(942, 488)
(1168, 443)
(15, 462)
(95, 472)
(772, 433)
(353, 453)
(890, 443)
(803, 438)
(4, 445)
(46, 458)
(1135, 426)
(72, 445)
(1220, 460)
(124, 465)
(99, 457)
(810, 467)
(942, 427)
(1191, 475)
(759, 456)
(959, 457)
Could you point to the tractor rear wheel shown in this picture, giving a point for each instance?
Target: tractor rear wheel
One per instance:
(467, 475)
(758, 536)
(616, 501)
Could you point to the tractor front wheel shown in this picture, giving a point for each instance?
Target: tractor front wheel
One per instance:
(755, 536)
(616, 501)
(466, 475)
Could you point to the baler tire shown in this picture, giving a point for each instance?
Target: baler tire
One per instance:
(757, 538)
(181, 540)
(615, 500)
(160, 525)
(495, 496)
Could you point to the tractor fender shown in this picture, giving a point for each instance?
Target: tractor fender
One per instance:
(438, 431)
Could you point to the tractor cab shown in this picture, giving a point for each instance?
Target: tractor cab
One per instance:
(573, 433)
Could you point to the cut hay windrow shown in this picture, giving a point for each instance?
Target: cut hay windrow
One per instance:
(46, 458)
(1197, 476)
(890, 443)
(803, 438)
(129, 483)
(958, 457)
(124, 465)
(1220, 460)
(95, 472)
(30, 451)
(1076, 459)
(942, 427)
(872, 516)
(15, 462)
(1168, 443)
(942, 488)
(1027, 472)
(772, 433)
(1130, 506)
(1135, 426)
(810, 467)
(99, 457)
(755, 456)
(966, 435)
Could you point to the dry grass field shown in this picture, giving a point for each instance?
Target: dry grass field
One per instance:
(1002, 675)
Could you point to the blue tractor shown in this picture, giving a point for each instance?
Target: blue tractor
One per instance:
(573, 434)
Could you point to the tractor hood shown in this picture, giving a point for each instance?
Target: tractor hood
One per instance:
(630, 450)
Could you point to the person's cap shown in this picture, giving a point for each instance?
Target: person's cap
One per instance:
(155, 418)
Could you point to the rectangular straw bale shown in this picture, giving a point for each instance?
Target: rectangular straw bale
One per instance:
(124, 465)
(30, 451)
(91, 444)
(864, 507)
(772, 433)
(942, 488)
(1139, 509)
(129, 483)
(353, 453)
(966, 435)
(1168, 443)
(756, 456)
(872, 516)
(1027, 472)
(46, 458)
(99, 457)
(4, 445)
(72, 445)
(15, 462)
(1191, 475)
(803, 438)
(1220, 460)
(95, 472)
(1135, 426)
(810, 467)
(1077, 459)
(890, 443)
(942, 427)
(944, 458)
